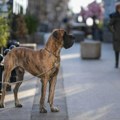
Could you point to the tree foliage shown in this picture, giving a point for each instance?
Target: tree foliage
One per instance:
(31, 23)
(93, 9)
(4, 31)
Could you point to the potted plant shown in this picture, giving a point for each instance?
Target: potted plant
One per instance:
(4, 32)
(31, 23)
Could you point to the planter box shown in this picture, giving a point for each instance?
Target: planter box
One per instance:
(90, 50)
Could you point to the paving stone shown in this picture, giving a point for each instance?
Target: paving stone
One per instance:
(92, 87)
(60, 101)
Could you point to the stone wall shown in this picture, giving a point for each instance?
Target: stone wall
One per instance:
(56, 11)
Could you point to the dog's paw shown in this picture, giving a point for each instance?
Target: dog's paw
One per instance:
(43, 110)
(18, 105)
(2, 105)
(54, 109)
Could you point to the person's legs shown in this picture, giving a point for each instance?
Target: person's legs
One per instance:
(116, 59)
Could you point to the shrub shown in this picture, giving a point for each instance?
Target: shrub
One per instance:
(32, 23)
(4, 31)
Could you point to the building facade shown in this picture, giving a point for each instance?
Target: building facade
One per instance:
(50, 12)
(109, 7)
(18, 4)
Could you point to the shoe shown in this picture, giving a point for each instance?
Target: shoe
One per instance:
(0, 92)
(116, 66)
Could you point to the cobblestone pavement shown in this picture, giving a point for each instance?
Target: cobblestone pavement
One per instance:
(60, 101)
(86, 90)
(26, 95)
(92, 87)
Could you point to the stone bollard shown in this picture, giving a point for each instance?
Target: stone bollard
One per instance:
(90, 50)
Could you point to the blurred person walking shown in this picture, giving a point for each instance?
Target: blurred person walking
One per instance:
(114, 26)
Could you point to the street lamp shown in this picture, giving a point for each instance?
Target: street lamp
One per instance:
(98, 1)
(89, 22)
(80, 19)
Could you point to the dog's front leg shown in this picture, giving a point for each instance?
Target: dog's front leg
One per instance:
(43, 94)
(3, 96)
(52, 84)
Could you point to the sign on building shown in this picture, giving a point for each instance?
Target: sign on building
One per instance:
(17, 4)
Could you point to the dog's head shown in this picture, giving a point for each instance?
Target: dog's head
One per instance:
(63, 38)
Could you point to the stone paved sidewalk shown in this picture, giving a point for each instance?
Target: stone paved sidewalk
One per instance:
(26, 95)
(86, 90)
(92, 87)
(60, 101)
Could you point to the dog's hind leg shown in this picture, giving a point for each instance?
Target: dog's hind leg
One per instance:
(6, 77)
(20, 74)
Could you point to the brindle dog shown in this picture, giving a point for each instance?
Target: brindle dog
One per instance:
(36, 63)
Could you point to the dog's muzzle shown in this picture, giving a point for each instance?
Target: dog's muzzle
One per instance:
(68, 41)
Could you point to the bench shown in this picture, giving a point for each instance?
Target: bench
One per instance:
(29, 45)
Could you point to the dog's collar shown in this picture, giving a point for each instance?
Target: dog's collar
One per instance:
(51, 53)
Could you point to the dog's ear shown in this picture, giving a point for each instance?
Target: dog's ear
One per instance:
(55, 34)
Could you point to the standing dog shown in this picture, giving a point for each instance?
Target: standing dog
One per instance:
(46, 60)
